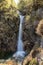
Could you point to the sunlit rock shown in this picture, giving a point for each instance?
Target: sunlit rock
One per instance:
(25, 6)
(40, 28)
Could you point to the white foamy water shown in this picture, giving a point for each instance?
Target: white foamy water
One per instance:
(20, 43)
(20, 50)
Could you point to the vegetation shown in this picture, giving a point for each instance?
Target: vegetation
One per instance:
(9, 26)
(33, 62)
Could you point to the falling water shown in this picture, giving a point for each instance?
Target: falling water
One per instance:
(20, 51)
(19, 55)
(20, 43)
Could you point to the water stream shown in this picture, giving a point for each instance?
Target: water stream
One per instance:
(20, 50)
(20, 42)
(20, 53)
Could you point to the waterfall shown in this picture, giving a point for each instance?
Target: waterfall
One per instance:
(19, 55)
(20, 43)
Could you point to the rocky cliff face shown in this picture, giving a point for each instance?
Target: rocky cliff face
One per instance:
(8, 28)
(9, 24)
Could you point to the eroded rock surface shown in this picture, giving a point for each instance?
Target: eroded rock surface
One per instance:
(9, 25)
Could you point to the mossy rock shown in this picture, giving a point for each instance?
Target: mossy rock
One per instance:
(33, 62)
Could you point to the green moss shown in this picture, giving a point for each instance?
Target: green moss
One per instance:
(33, 62)
(24, 4)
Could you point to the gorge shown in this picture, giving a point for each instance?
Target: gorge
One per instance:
(20, 53)
(21, 34)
